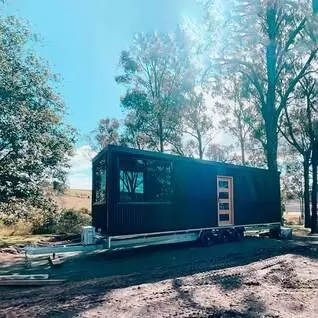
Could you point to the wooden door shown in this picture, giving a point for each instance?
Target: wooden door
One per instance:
(225, 200)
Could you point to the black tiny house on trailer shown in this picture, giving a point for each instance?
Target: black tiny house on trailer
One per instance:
(140, 192)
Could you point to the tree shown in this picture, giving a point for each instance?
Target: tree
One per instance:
(297, 128)
(196, 123)
(221, 153)
(35, 144)
(292, 177)
(269, 44)
(314, 190)
(256, 157)
(235, 114)
(156, 75)
(107, 132)
(133, 135)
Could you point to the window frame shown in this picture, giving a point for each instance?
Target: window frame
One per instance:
(146, 180)
(96, 165)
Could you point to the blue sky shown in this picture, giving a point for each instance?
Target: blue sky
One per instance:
(82, 40)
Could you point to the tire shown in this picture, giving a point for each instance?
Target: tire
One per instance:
(274, 233)
(239, 235)
(224, 236)
(207, 239)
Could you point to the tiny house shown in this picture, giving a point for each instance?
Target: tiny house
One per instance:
(142, 192)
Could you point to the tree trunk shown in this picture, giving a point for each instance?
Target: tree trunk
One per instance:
(272, 144)
(302, 209)
(270, 111)
(160, 135)
(242, 152)
(200, 145)
(307, 222)
(314, 189)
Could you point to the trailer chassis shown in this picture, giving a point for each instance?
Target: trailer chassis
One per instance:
(206, 236)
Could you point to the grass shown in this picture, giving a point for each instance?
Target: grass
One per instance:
(19, 233)
(20, 228)
(6, 241)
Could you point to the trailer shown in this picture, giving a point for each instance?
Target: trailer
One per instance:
(142, 198)
(150, 197)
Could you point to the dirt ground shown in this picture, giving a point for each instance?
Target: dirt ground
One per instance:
(258, 277)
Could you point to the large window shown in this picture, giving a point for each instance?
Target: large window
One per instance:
(100, 181)
(144, 180)
(158, 180)
(131, 179)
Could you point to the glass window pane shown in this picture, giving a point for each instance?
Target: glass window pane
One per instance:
(131, 179)
(223, 195)
(224, 217)
(100, 181)
(223, 184)
(224, 206)
(159, 187)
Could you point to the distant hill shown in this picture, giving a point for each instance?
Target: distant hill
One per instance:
(74, 199)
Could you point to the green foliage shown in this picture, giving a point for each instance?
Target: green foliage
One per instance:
(196, 123)
(70, 221)
(270, 46)
(107, 132)
(39, 214)
(35, 144)
(156, 75)
(47, 219)
(133, 135)
(235, 110)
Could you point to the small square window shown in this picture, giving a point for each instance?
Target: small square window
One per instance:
(223, 184)
(224, 217)
(223, 195)
(224, 206)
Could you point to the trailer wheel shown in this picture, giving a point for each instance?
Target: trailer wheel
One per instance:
(207, 238)
(274, 233)
(231, 235)
(239, 235)
(225, 236)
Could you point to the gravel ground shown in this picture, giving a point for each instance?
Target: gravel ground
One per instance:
(254, 278)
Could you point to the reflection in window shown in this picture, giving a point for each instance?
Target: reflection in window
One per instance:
(223, 195)
(100, 181)
(224, 206)
(223, 184)
(224, 217)
(158, 180)
(131, 179)
(144, 180)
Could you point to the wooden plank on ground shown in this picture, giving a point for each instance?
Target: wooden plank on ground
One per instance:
(18, 276)
(31, 282)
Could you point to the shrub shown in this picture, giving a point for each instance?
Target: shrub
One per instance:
(13, 211)
(41, 215)
(22, 217)
(70, 221)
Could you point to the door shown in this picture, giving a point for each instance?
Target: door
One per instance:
(225, 200)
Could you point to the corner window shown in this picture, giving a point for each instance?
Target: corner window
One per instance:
(100, 181)
(131, 179)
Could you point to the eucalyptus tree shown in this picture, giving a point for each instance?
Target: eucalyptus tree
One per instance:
(271, 45)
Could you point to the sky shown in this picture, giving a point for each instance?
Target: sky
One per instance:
(82, 41)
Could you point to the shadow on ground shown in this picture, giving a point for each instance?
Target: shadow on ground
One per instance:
(92, 277)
